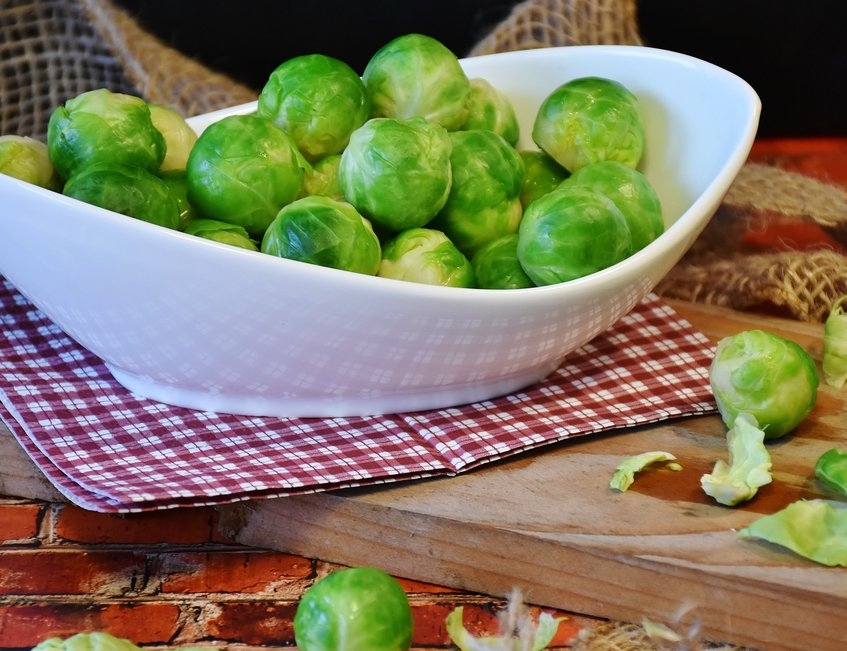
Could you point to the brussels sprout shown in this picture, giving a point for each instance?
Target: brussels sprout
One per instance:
(814, 529)
(488, 108)
(218, 231)
(569, 233)
(179, 136)
(27, 159)
(765, 375)
(177, 182)
(749, 465)
(322, 178)
(96, 641)
(322, 231)
(127, 190)
(242, 170)
(354, 609)
(631, 192)
(831, 469)
(102, 126)
(834, 362)
(417, 76)
(590, 119)
(541, 175)
(496, 265)
(318, 100)
(397, 172)
(425, 255)
(484, 199)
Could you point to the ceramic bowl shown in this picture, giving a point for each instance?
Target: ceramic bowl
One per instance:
(198, 324)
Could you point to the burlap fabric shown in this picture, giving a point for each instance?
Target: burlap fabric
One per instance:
(51, 50)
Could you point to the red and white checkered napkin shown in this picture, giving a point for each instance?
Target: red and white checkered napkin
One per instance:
(108, 450)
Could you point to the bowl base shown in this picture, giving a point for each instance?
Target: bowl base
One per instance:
(329, 406)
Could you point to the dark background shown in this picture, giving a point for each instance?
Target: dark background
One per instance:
(792, 53)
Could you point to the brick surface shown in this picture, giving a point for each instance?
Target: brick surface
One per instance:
(69, 572)
(178, 526)
(238, 571)
(256, 622)
(19, 521)
(25, 625)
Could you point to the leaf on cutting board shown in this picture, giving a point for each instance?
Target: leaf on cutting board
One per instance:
(624, 474)
(749, 465)
(831, 469)
(815, 529)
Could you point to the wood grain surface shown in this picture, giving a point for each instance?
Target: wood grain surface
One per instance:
(548, 522)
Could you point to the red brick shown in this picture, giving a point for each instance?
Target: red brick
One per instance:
(178, 526)
(69, 572)
(232, 571)
(253, 622)
(26, 625)
(19, 521)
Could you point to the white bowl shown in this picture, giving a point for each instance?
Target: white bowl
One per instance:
(203, 325)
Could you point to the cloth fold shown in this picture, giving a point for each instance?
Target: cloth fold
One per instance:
(108, 450)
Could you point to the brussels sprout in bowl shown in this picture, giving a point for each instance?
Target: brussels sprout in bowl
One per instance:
(199, 323)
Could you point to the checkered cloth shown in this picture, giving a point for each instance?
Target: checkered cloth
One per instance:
(108, 450)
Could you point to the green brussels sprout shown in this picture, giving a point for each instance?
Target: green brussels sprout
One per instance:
(177, 182)
(417, 76)
(102, 126)
(590, 119)
(354, 609)
(95, 641)
(427, 256)
(318, 100)
(631, 192)
(764, 375)
(27, 159)
(178, 134)
(484, 199)
(488, 108)
(242, 170)
(397, 172)
(218, 231)
(541, 175)
(569, 233)
(322, 178)
(322, 231)
(496, 265)
(128, 190)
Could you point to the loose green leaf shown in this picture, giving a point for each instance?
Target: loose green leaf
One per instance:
(814, 529)
(831, 469)
(835, 345)
(624, 474)
(86, 642)
(530, 637)
(749, 464)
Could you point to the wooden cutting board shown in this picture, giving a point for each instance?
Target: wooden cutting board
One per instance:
(548, 523)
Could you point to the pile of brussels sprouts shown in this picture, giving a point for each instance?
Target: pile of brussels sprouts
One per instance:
(410, 171)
